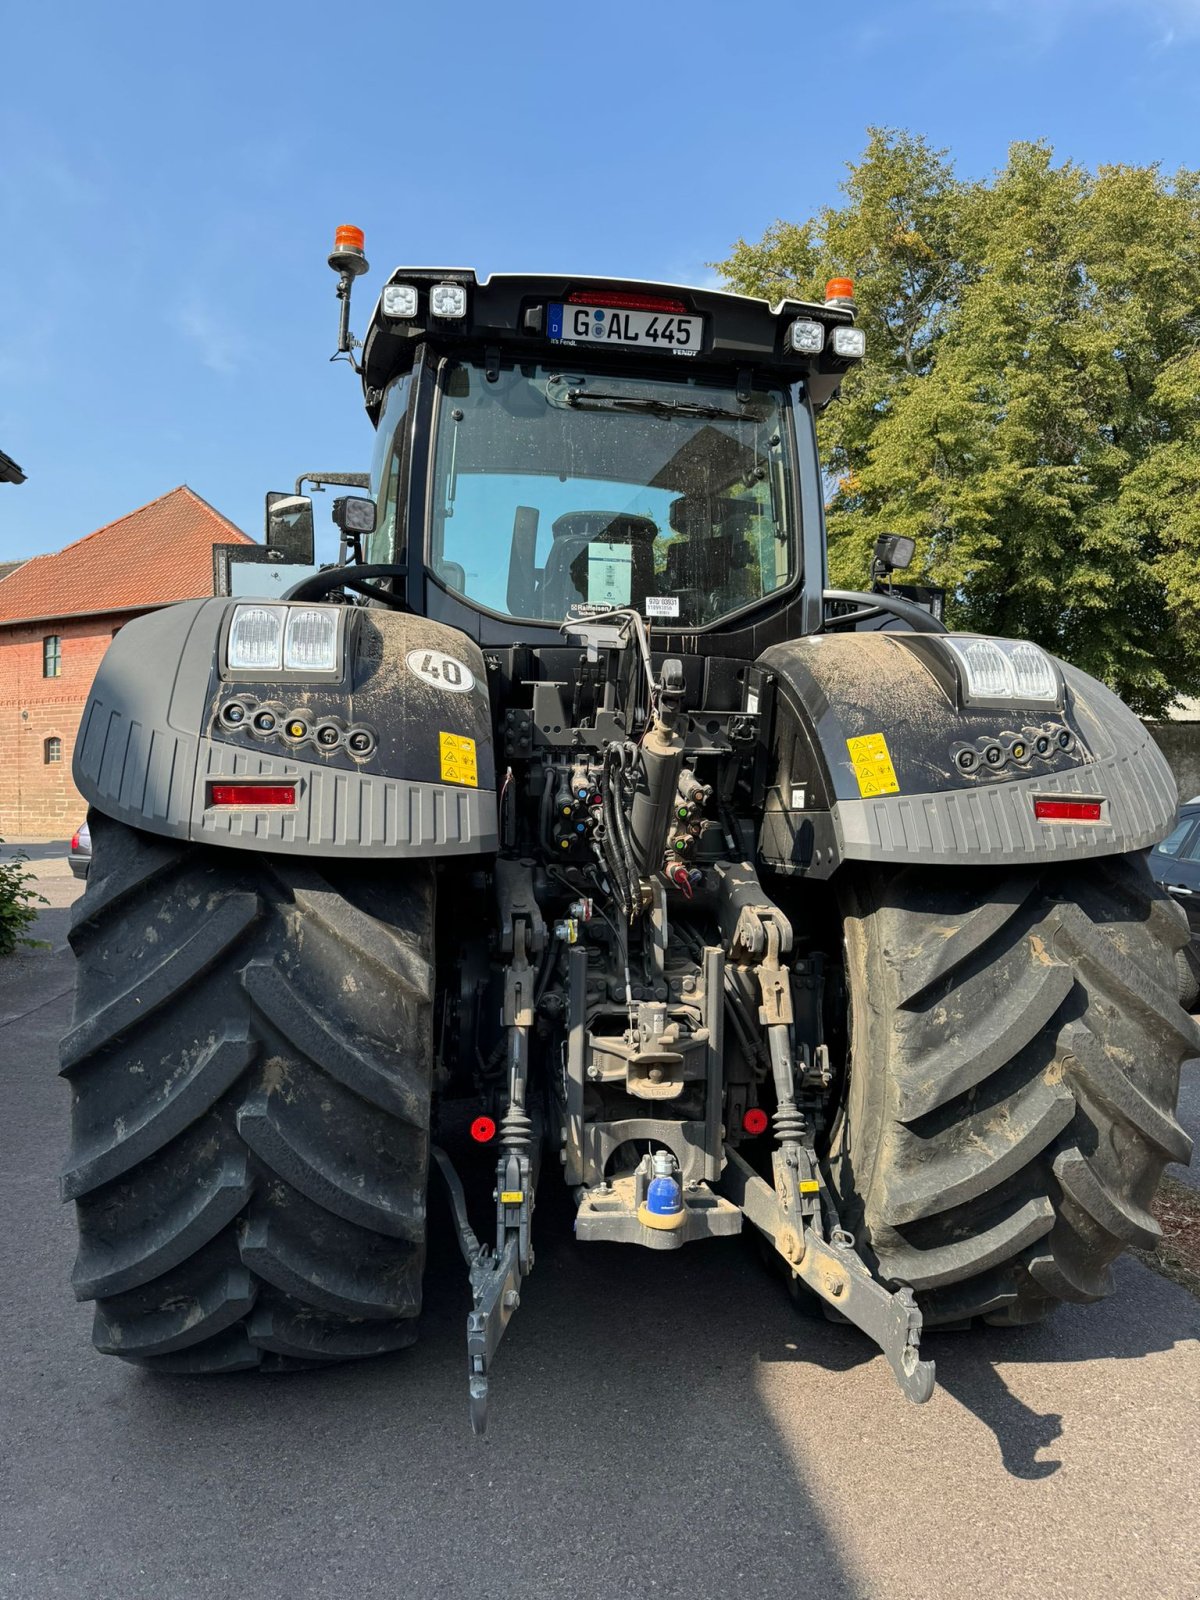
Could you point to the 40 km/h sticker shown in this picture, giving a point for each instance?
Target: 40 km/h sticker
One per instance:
(441, 671)
(872, 763)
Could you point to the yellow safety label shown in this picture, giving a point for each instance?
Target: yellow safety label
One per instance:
(872, 763)
(809, 1186)
(511, 1197)
(458, 760)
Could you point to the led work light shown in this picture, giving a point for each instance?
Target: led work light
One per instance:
(400, 301)
(849, 343)
(448, 301)
(1005, 669)
(267, 639)
(806, 338)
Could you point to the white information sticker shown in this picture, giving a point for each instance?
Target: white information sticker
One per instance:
(441, 671)
(662, 605)
(610, 574)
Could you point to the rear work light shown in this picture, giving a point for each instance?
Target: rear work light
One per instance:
(252, 794)
(268, 638)
(255, 639)
(621, 299)
(849, 343)
(400, 301)
(1004, 669)
(448, 301)
(805, 337)
(1069, 810)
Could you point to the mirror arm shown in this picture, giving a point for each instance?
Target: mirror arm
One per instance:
(343, 480)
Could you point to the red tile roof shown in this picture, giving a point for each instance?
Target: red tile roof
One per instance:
(160, 553)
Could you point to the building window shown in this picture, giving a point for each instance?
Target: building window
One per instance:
(51, 656)
(53, 751)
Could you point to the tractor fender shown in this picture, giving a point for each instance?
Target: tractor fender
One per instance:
(866, 762)
(158, 737)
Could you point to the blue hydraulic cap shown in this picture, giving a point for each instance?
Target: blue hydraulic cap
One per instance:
(663, 1197)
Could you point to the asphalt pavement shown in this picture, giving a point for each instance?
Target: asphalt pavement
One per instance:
(661, 1427)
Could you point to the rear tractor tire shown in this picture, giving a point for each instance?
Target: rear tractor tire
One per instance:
(1016, 1043)
(250, 1065)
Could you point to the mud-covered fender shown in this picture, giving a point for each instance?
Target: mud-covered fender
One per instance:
(407, 771)
(867, 762)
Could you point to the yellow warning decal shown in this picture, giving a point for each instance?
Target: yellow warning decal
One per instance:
(458, 760)
(809, 1186)
(511, 1197)
(872, 764)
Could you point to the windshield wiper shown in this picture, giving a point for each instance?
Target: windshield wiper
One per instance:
(645, 402)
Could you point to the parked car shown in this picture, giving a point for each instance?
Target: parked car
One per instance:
(81, 851)
(1175, 864)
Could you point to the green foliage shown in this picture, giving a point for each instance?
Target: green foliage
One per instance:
(18, 904)
(1029, 408)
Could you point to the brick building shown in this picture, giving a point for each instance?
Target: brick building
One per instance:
(57, 615)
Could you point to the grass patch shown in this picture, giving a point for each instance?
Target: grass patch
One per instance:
(1178, 1255)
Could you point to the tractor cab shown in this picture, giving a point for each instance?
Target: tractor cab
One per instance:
(550, 448)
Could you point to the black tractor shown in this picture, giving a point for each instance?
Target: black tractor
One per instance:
(571, 826)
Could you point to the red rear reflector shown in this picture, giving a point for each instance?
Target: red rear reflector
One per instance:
(483, 1130)
(755, 1121)
(252, 794)
(1068, 810)
(626, 302)
(74, 841)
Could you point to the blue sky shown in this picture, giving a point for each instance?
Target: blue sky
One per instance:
(170, 178)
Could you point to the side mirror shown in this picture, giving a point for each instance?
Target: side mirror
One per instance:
(893, 553)
(289, 528)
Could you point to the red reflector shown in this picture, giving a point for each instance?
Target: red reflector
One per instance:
(74, 841)
(627, 302)
(1068, 810)
(755, 1121)
(252, 794)
(483, 1130)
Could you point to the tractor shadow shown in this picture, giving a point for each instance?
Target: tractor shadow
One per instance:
(1145, 1315)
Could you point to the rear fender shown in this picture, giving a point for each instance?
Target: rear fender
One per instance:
(154, 739)
(902, 795)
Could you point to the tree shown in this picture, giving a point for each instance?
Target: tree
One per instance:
(1029, 405)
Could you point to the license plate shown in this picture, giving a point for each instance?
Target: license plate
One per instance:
(651, 330)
